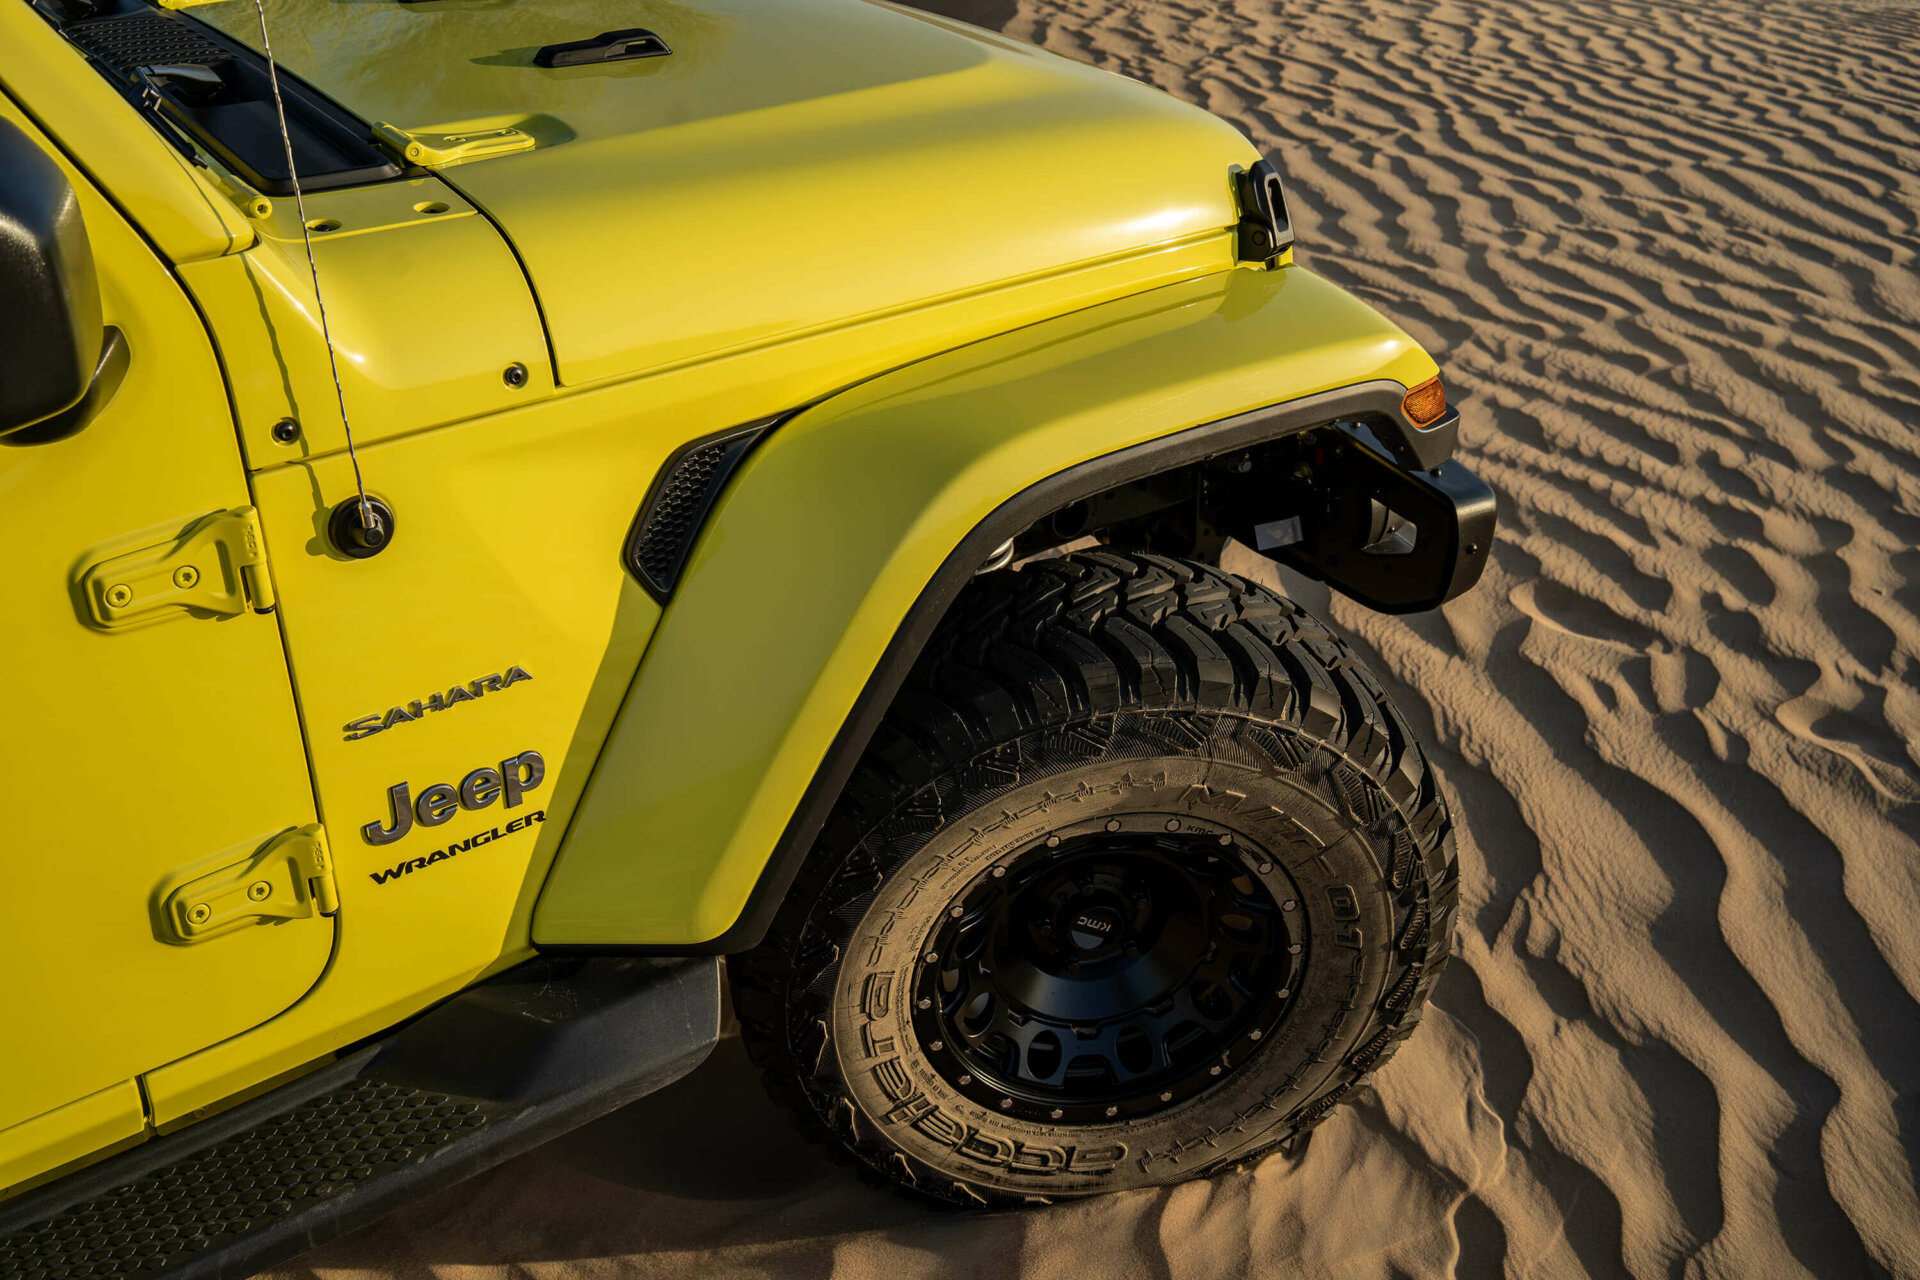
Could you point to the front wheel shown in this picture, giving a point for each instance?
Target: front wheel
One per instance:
(1141, 875)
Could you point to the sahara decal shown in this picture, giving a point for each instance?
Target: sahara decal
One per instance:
(367, 726)
(471, 842)
(509, 783)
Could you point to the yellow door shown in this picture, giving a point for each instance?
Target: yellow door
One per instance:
(149, 750)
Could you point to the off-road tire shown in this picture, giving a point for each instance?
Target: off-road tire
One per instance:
(1083, 694)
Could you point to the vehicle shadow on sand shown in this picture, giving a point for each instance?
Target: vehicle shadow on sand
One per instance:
(706, 1175)
(710, 1177)
(713, 1135)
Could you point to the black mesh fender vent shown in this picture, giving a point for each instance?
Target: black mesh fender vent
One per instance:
(677, 505)
(236, 1187)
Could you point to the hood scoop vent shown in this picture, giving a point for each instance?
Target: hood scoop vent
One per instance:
(608, 46)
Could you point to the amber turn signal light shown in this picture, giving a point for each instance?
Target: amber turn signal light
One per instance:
(1425, 403)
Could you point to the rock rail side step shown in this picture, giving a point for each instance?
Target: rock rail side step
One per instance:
(493, 1072)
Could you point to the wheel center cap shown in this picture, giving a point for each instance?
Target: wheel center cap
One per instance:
(1093, 930)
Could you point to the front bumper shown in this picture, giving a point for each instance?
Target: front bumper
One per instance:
(1336, 506)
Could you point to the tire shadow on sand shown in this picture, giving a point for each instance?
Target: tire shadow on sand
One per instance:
(712, 1136)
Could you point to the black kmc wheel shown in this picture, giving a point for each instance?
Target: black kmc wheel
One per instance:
(1117, 965)
(1141, 875)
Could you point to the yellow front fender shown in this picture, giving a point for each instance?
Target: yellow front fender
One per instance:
(833, 550)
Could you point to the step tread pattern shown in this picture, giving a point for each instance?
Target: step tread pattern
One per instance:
(315, 1152)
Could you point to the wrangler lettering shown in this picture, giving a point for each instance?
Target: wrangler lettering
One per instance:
(441, 855)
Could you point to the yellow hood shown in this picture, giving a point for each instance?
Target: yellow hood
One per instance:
(791, 164)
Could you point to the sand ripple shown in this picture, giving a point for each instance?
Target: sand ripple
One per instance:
(1666, 253)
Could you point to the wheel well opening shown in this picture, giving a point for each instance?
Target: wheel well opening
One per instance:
(1190, 511)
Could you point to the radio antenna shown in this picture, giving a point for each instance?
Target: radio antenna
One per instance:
(368, 525)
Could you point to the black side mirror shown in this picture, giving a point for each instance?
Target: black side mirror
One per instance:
(51, 337)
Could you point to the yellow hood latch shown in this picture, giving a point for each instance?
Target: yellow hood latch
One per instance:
(456, 145)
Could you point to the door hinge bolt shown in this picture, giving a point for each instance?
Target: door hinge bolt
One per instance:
(199, 913)
(185, 576)
(259, 891)
(120, 595)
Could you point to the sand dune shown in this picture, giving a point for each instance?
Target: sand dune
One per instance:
(1666, 253)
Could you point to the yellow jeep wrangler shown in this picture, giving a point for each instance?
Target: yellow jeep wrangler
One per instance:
(508, 504)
